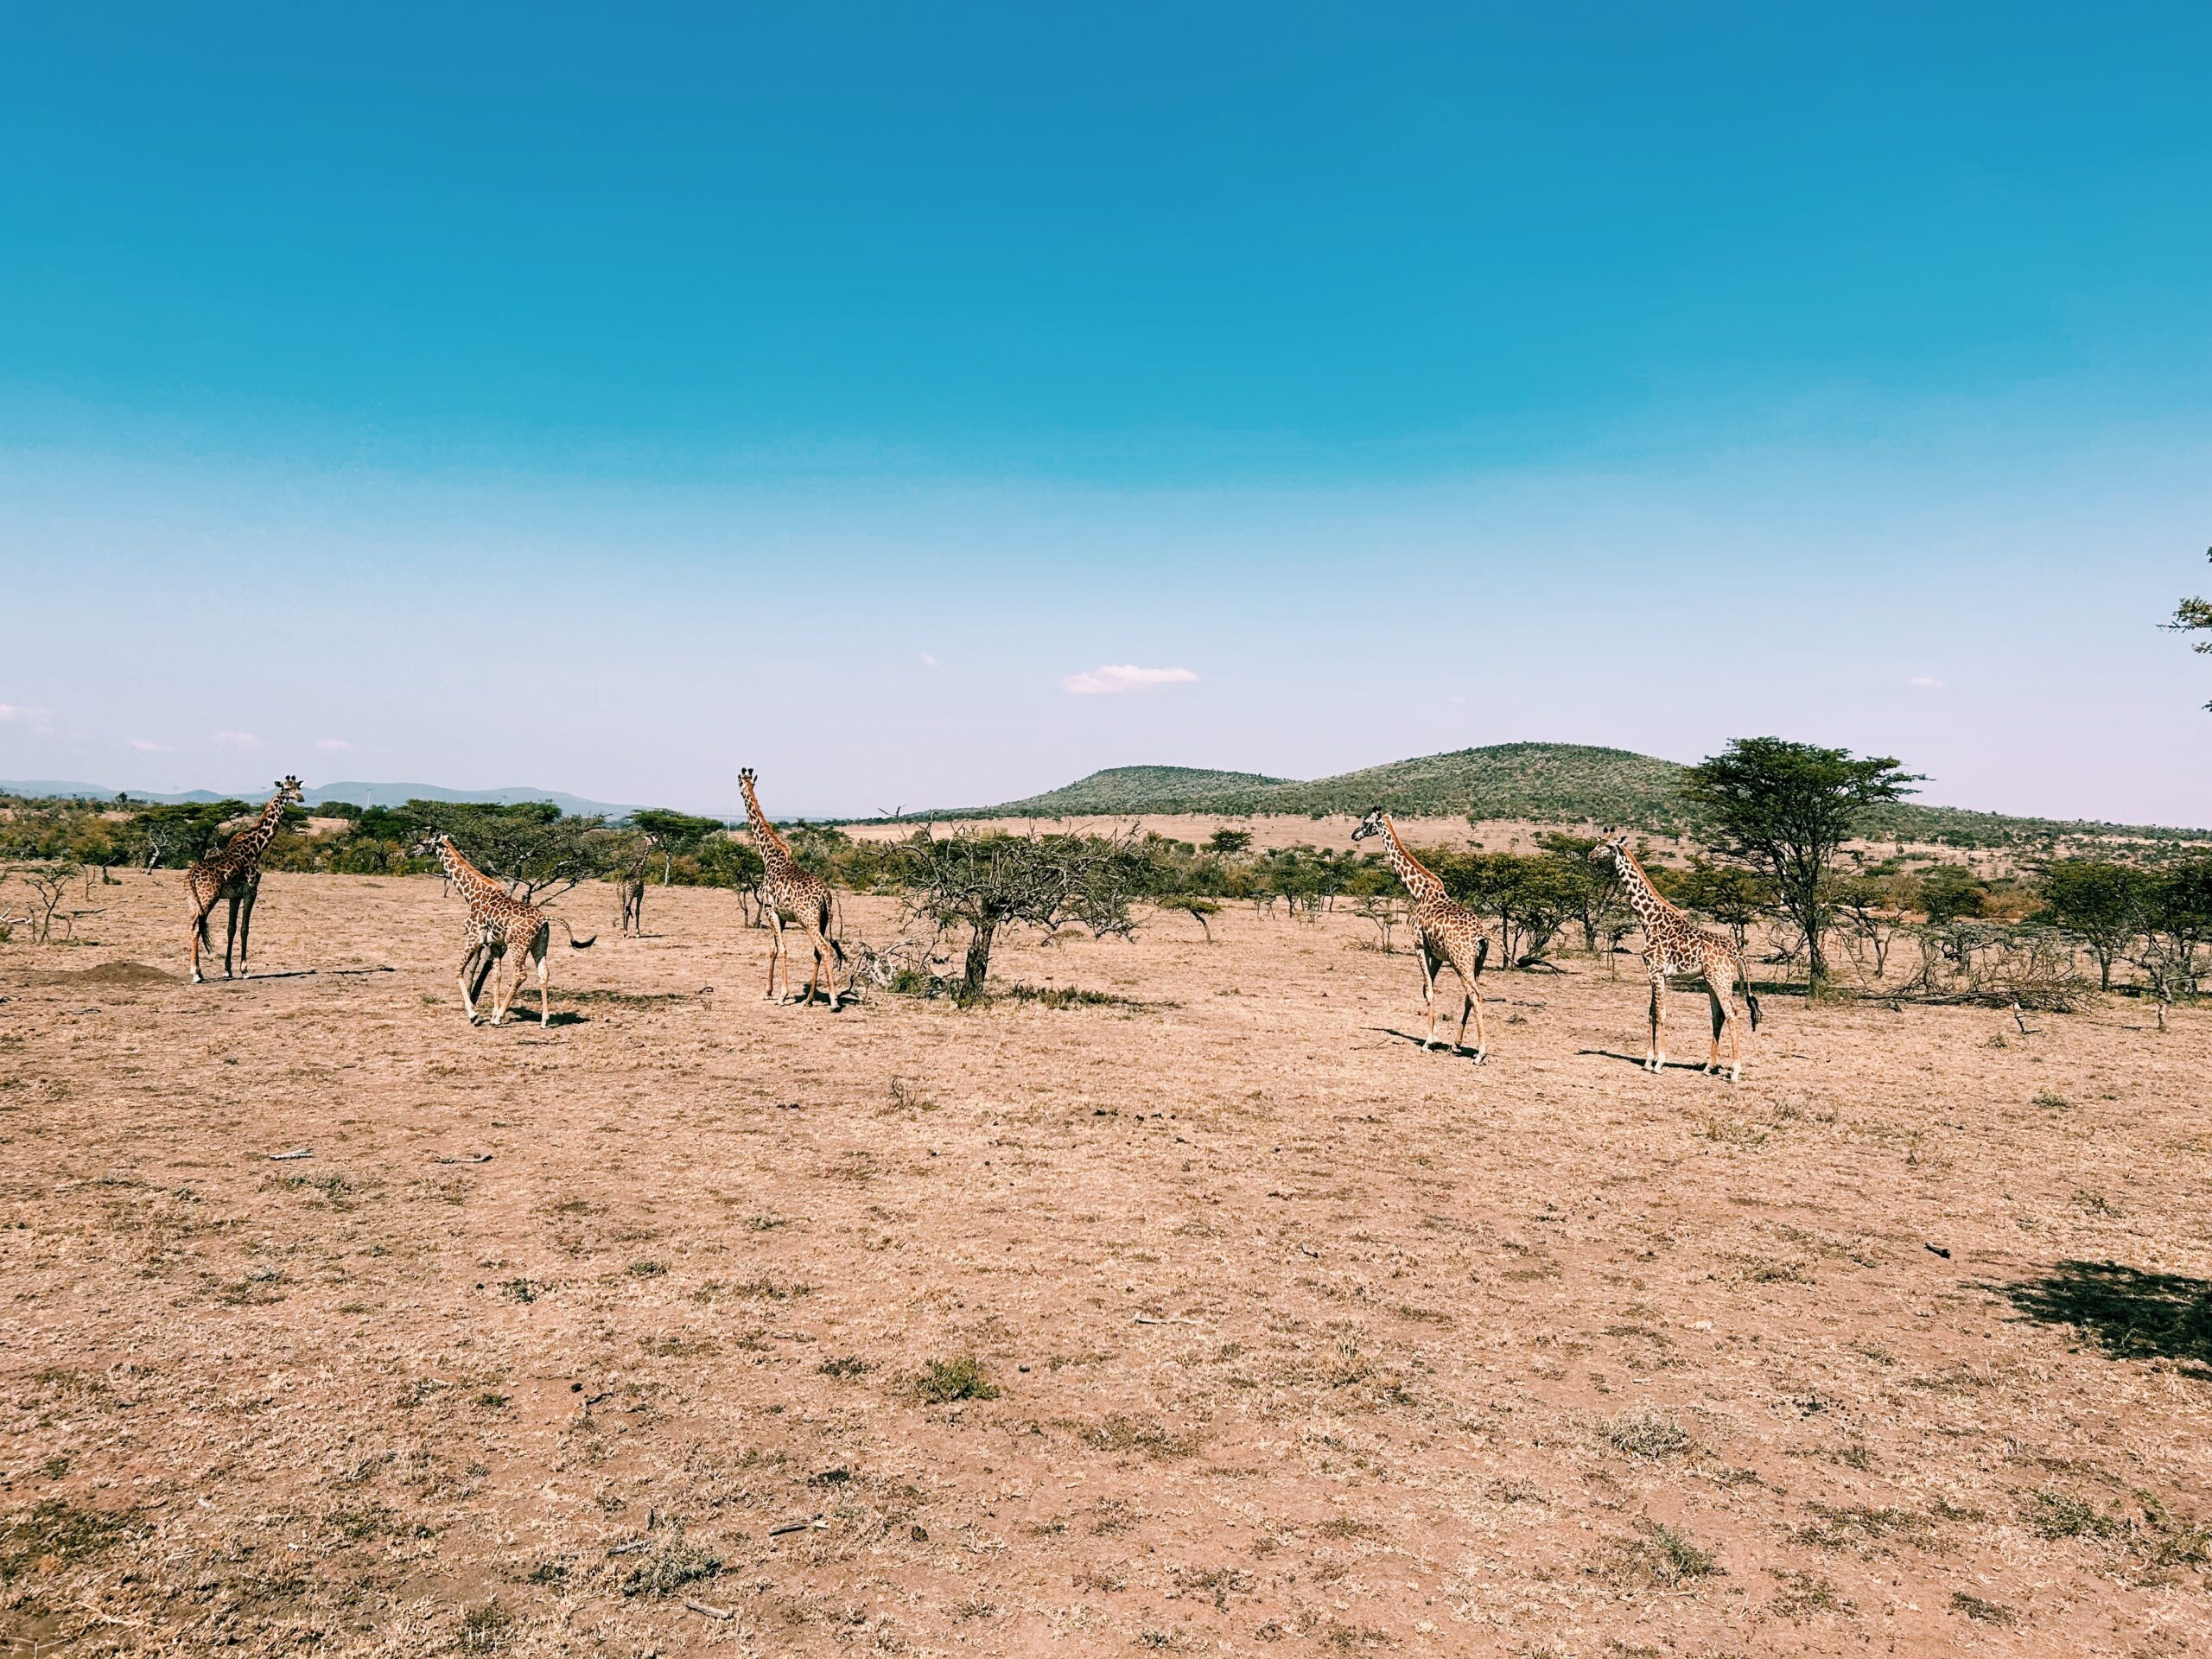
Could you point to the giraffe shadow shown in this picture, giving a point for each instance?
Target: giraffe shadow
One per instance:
(1636, 1060)
(1444, 1048)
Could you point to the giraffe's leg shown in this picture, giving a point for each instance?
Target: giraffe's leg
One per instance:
(1719, 1011)
(468, 960)
(199, 941)
(776, 952)
(1428, 993)
(1724, 1002)
(545, 969)
(245, 923)
(1654, 1056)
(230, 935)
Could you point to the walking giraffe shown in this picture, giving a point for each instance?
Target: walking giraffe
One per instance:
(1675, 944)
(499, 926)
(234, 872)
(788, 892)
(1449, 933)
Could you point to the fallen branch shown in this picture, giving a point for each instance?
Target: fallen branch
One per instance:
(722, 1613)
(465, 1158)
(817, 1523)
(285, 1157)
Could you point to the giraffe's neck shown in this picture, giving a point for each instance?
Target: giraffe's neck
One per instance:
(1419, 881)
(466, 876)
(775, 851)
(252, 840)
(1643, 897)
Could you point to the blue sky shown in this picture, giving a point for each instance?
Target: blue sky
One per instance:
(605, 398)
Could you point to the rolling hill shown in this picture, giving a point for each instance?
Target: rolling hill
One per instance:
(1553, 783)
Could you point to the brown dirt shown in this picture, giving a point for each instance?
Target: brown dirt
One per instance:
(1303, 1341)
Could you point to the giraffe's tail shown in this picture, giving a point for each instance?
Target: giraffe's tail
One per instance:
(575, 943)
(835, 907)
(1750, 997)
(1482, 953)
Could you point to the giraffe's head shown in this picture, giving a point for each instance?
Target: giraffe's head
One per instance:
(1372, 824)
(289, 790)
(433, 843)
(748, 776)
(1611, 849)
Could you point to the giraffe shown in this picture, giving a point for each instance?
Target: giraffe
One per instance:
(500, 926)
(788, 892)
(234, 872)
(1675, 944)
(630, 884)
(1449, 934)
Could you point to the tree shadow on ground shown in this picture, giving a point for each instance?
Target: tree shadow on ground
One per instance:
(2129, 1313)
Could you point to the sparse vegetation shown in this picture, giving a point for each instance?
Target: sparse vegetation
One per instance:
(961, 1376)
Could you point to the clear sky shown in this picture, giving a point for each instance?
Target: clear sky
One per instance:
(931, 404)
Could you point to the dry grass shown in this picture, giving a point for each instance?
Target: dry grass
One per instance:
(1130, 1314)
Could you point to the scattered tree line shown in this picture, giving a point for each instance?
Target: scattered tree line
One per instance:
(1785, 859)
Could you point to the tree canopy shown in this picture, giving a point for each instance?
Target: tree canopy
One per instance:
(1786, 809)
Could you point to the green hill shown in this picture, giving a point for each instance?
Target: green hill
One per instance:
(1552, 783)
(1133, 789)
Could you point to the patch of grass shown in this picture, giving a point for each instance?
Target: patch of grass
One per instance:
(1098, 1578)
(767, 1290)
(667, 1567)
(487, 1629)
(1803, 1594)
(1657, 1557)
(849, 1365)
(1648, 1433)
(2096, 1204)
(59, 1532)
(490, 1400)
(1982, 1612)
(521, 1290)
(647, 1268)
(1069, 996)
(2060, 1514)
(2051, 1100)
(907, 1097)
(1840, 1526)
(961, 1376)
(1123, 1432)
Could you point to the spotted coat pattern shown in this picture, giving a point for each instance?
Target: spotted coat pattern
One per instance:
(1450, 933)
(233, 872)
(792, 896)
(1673, 944)
(501, 928)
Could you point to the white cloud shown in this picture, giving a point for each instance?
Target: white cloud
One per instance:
(1923, 683)
(1124, 676)
(332, 745)
(925, 659)
(147, 746)
(17, 713)
(236, 740)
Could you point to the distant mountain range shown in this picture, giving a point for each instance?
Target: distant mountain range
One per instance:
(1549, 782)
(359, 794)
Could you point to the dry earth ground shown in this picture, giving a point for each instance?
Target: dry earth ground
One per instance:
(1303, 1341)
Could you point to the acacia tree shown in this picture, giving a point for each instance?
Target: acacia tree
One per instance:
(674, 834)
(1786, 809)
(2106, 903)
(528, 846)
(2195, 616)
(987, 882)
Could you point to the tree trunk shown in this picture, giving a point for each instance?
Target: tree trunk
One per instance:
(979, 960)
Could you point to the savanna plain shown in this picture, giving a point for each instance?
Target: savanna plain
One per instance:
(1205, 1314)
